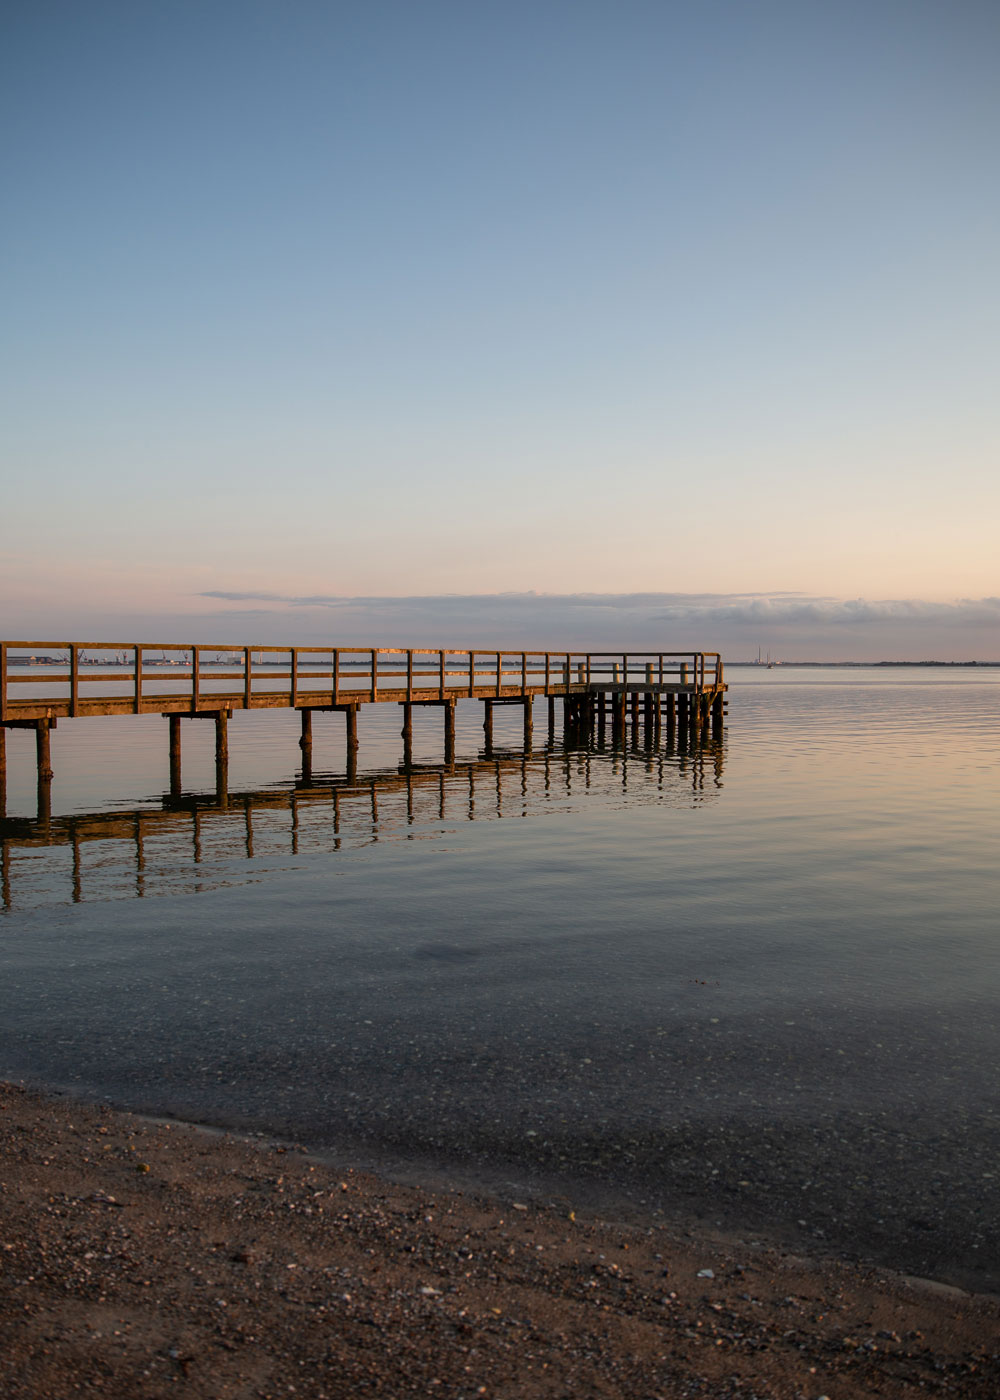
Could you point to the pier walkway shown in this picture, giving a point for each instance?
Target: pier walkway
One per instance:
(42, 682)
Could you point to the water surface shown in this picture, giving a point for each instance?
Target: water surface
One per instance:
(755, 983)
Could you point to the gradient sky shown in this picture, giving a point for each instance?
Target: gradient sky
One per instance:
(385, 301)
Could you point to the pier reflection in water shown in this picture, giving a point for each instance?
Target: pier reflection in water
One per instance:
(193, 842)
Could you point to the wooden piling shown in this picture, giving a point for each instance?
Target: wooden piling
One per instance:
(528, 724)
(488, 725)
(407, 730)
(306, 745)
(43, 757)
(43, 751)
(718, 716)
(222, 755)
(174, 722)
(449, 732)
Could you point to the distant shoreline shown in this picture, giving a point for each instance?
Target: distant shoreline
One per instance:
(844, 665)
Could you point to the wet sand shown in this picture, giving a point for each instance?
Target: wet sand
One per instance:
(142, 1259)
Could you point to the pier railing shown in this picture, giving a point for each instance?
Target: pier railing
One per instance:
(39, 678)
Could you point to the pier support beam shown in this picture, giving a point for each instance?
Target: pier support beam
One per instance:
(618, 702)
(43, 751)
(174, 721)
(43, 754)
(306, 745)
(449, 732)
(718, 715)
(407, 733)
(222, 757)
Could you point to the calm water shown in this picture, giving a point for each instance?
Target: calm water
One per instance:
(756, 984)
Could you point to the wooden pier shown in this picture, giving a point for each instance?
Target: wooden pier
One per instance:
(42, 682)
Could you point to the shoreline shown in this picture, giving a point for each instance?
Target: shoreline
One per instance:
(144, 1257)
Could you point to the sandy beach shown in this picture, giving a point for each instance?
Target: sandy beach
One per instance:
(142, 1259)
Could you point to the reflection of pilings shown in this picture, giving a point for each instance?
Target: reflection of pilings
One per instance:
(174, 722)
(77, 881)
(358, 808)
(140, 859)
(3, 771)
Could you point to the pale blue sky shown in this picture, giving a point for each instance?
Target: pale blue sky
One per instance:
(391, 299)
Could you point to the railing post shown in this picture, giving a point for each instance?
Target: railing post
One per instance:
(409, 675)
(441, 673)
(247, 677)
(472, 674)
(625, 670)
(546, 673)
(294, 682)
(374, 687)
(499, 670)
(137, 678)
(74, 678)
(3, 680)
(195, 677)
(336, 675)
(524, 671)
